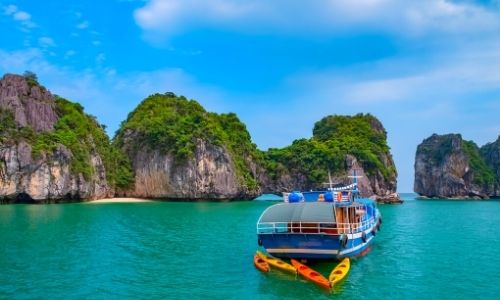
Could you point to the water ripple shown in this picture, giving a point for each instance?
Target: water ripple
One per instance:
(433, 250)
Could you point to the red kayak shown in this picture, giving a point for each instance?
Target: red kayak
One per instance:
(261, 264)
(311, 275)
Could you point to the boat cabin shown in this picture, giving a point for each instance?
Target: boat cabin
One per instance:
(331, 218)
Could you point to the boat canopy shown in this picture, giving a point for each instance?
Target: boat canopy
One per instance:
(317, 212)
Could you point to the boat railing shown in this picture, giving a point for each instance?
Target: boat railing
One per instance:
(314, 227)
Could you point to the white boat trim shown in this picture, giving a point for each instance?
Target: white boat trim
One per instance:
(309, 251)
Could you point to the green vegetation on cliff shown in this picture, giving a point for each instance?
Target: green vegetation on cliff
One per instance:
(483, 175)
(7, 124)
(490, 153)
(174, 124)
(334, 137)
(77, 131)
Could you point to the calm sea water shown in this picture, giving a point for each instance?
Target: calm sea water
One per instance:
(426, 250)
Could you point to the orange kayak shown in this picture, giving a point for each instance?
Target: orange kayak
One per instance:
(261, 264)
(311, 275)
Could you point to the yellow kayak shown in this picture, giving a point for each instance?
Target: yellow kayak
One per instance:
(277, 263)
(340, 271)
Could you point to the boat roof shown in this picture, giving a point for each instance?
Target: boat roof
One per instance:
(299, 212)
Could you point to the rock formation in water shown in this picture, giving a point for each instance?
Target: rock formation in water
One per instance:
(50, 151)
(180, 151)
(171, 148)
(340, 144)
(446, 166)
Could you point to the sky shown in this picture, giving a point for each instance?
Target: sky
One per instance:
(421, 67)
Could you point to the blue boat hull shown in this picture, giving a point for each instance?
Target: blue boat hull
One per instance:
(315, 246)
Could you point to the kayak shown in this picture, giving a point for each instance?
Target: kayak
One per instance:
(261, 264)
(277, 263)
(340, 271)
(311, 275)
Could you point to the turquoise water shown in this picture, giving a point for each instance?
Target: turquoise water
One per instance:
(426, 249)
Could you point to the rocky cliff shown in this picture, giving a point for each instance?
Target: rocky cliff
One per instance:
(491, 155)
(50, 151)
(446, 166)
(30, 103)
(180, 151)
(171, 148)
(340, 144)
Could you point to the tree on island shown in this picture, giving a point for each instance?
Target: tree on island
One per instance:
(31, 77)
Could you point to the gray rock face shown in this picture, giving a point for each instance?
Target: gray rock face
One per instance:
(31, 106)
(210, 174)
(443, 169)
(375, 185)
(47, 178)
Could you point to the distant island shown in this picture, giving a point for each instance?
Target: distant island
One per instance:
(446, 166)
(170, 147)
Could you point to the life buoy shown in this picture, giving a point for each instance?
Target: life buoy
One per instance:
(259, 242)
(339, 196)
(363, 237)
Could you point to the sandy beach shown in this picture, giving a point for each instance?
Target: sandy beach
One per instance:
(118, 200)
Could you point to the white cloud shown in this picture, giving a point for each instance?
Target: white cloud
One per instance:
(164, 18)
(160, 13)
(10, 9)
(20, 16)
(46, 42)
(96, 43)
(83, 25)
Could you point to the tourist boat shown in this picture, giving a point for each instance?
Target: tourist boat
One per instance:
(324, 225)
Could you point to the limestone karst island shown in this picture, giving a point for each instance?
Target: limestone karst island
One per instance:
(170, 147)
(228, 149)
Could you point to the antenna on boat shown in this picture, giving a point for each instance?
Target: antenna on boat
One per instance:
(330, 179)
(355, 180)
(329, 183)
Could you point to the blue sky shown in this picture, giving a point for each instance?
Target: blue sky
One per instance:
(421, 67)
